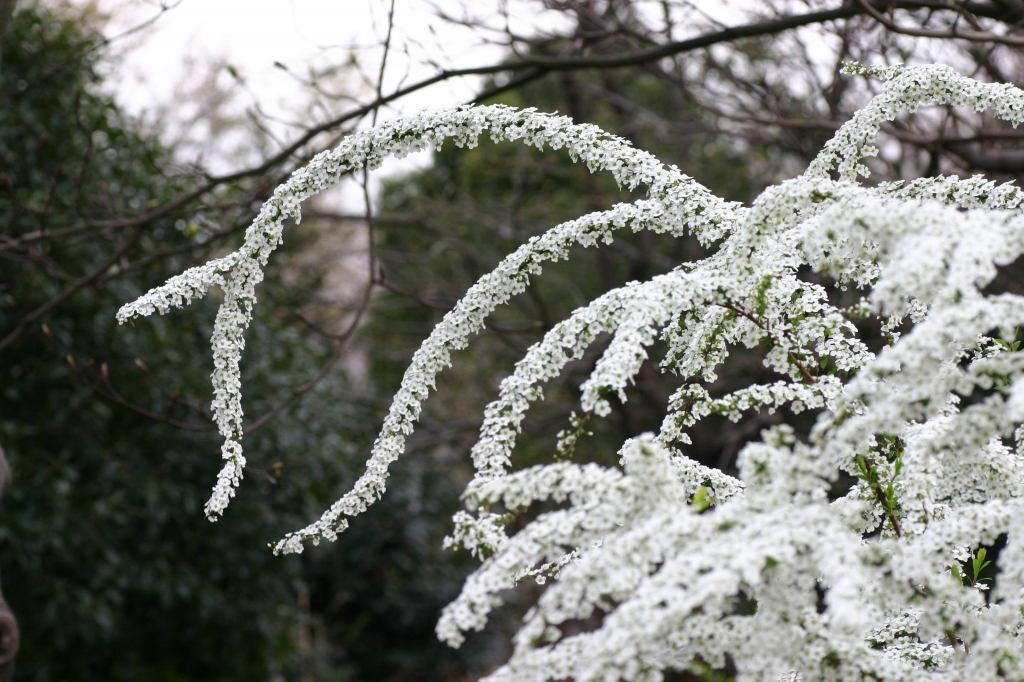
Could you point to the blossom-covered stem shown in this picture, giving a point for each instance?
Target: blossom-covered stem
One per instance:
(835, 599)
(760, 325)
(871, 476)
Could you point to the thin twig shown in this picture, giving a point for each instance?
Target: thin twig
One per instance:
(952, 34)
(869, 465)
(107, 390)
(760, 325)
(70, 291)
(164, 8)
(340, 343)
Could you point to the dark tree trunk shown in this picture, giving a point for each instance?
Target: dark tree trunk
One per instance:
(9, 635)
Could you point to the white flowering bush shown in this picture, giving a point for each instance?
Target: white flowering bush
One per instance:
(665, 564)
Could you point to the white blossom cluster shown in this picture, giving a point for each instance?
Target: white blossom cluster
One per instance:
(675, 202)
(664, 564)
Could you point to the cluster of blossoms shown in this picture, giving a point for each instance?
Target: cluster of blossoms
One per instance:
(676, 564)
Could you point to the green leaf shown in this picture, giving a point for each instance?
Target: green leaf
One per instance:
(701, 500)
(955, 571)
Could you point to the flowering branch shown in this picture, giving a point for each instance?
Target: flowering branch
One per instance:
(664, 548)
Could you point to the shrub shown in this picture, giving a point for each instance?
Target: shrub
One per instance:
(665, 564)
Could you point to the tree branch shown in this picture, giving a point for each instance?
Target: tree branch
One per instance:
(951, 34)
(70, 291)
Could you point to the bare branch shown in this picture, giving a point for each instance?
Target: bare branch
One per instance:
(70, 291)
(952, 34)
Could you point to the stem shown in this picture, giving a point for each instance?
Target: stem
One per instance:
(890, 514)
(760, 325)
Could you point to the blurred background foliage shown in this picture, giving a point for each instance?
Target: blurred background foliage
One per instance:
(105, 556)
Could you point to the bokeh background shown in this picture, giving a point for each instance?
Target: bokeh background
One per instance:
(138, 138)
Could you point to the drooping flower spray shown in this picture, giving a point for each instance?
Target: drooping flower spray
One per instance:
(882, 583)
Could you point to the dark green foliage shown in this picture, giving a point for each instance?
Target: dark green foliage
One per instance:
(106, 558)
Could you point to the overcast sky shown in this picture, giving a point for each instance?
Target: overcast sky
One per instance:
(254, 34)
(251, 35)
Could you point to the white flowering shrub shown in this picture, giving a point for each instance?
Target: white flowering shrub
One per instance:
(669, 564)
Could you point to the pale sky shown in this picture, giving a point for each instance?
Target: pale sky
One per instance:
(251, 35)
(254, 34)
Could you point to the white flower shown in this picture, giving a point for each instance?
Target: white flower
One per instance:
(685, 563)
